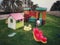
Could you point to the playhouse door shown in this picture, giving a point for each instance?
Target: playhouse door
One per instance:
(11, 23)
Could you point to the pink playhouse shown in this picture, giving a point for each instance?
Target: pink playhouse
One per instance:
(16, 20)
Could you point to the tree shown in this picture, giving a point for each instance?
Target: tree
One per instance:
(12, 5)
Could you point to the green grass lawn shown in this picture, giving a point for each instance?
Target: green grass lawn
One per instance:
(51, 30)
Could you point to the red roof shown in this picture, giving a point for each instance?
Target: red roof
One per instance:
(17, 16)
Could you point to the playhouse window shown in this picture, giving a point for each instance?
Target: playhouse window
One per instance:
(18, 21)
(21, 19)
(11, 20)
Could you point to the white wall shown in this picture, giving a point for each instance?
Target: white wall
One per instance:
(44, 3)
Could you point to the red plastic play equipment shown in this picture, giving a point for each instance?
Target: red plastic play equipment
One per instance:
(34, 14)
(28, 12)
(38, 35)
(31, 13)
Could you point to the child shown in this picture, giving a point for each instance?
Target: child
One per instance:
(37, 22)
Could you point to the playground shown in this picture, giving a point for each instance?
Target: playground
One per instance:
(24, 23)
(51, 30)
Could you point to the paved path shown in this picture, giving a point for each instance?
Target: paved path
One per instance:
(56, 13)
(5, 16)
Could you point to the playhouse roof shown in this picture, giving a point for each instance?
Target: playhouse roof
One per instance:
(17, 16)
